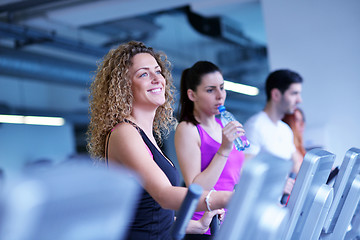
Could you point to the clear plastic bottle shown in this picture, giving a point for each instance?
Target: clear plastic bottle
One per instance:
(241, 142)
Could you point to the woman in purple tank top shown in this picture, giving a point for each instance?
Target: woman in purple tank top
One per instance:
(204, 147)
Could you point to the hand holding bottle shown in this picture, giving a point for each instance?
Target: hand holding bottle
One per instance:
(226, 117)
(230, 133)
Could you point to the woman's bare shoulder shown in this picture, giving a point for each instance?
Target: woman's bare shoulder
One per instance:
(185, 126)
(187, 130)
(125, 128)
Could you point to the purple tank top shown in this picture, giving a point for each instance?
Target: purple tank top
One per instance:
(231, 172)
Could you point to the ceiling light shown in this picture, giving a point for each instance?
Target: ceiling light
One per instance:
(241, 88)
(33, 120)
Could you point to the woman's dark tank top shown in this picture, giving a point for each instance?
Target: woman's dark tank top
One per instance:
(151, 221)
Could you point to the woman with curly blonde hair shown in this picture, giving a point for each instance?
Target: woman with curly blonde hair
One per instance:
(111, 96)
(131, 109)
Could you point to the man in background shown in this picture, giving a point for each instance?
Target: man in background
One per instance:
(265, 130)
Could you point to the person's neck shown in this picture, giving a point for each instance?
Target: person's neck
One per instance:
(144, 119)
(205, 119)
(273, 113)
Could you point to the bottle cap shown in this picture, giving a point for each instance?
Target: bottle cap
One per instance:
(221, 108)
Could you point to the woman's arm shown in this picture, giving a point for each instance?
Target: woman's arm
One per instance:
(297, 159)
(187, 145)
(128, 148)
(202, 225)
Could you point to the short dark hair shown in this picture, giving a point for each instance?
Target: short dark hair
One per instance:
(281, 79)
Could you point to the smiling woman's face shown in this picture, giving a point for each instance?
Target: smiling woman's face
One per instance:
(148, 84)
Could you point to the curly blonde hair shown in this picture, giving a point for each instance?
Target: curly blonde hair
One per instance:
(111, 96)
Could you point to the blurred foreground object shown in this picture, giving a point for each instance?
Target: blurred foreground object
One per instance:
(72, 201)
(254, 212)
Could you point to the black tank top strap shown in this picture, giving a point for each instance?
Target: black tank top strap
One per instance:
(133, 124)
(108, 138)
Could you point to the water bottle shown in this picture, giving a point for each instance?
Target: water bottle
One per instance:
(241, 142)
